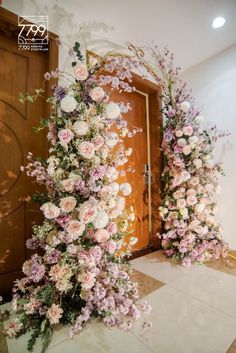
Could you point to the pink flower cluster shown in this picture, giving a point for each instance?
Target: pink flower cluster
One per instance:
(190, 176)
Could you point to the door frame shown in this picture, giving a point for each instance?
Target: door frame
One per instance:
(155, 122)
(152, 91)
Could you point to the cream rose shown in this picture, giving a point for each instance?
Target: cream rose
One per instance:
(181, 203)
(81, 71)
(68, 103)
(102, 235)
(50, 210)
(187, 150)
(178, 133)
(86, 150)
(112, 111)
(80, 128)
(67, 204)
(97, 94)
(68, 185)
(75, 229)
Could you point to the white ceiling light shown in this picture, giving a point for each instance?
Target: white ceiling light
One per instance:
(218, 22)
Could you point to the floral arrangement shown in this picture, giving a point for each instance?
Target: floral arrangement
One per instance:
(190, 175)
(80, 272)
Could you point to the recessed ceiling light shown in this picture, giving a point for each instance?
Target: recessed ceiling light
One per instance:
(218, 22)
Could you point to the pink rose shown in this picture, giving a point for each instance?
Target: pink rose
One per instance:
(75, 229)
(110, 246)
(63, 220)
(96, 253)
(81, 71)
(191, 192)
(87, 212)
(101, 235)
(97, 94)
(98, 142)
(191, 200)
(65, 136)
(86, 150)
(181, 203)
(188, 130)
(112, 228)
(67, 204)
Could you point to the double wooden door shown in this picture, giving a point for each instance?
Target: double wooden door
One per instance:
(20, 71)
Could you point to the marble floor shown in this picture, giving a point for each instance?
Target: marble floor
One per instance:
(193, 311)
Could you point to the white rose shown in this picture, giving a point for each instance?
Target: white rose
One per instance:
(198, 163)
(75, 229)
(193, 140)
(114, 188)
(98, 142)
(111, 139)
(101, 220)
(67, 204)
(81, 71)
(68, 104)
(199, 119)
(86, 150)
(112, 110)
(97, 94)
(210, 163)
(126, 189)
(80, 128)
(50, 210)
(184, 106)
(75, 177)
(111, 173)
(181, 142)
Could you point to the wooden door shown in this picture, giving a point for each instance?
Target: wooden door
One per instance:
(20, 71)
(145, 160)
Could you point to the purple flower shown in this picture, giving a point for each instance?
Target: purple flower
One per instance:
(59, 92)
(32, 243)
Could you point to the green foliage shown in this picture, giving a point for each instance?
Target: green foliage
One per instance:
(78, 53)
(40, 198)
(46, 295)
(23, 97)
(72, 305)
(43, 124)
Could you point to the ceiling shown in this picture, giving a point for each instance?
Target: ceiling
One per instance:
(183, 25)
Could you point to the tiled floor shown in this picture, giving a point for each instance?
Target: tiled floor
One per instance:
(194, 311)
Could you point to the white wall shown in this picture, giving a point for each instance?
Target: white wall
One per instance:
(214, 86)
